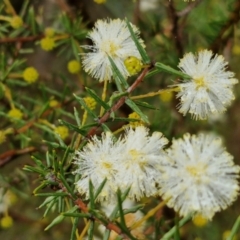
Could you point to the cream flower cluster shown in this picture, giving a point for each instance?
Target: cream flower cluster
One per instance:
(127, 162)
(210, 90)
(140, 156)
(195, 175)
(99, 161)
(207, 93)
(111, 38)
(199, 176)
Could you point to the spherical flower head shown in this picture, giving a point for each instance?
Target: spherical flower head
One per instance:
(111, 38)
(226, 235)
(210, 90)
(47, 43)
(100, 1)
(97, 161)
(166, 96)
(3, 134)
(15, 114)
(53, 103)
(49, 32)
(30, 75)
(62, 131)
(6, 222)
(133, 65)
(74, 66)
(134, 115)
(2, 137)
(236, 49)
(16, 22)
(90, 102)
(142, 153)
(199, 177)
(199, 221)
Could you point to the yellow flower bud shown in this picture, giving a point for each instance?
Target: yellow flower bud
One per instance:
(134, 115)
(30, 75)
(2, 137)
(99, 1)
(53, 103)
(74, 66)
(226, 235)
(236, 49)
(62, 131)
(133, 65)
(15, 114)
(3, 134)
(16, 22)
(47, 43)
(166, 96)
(199, 221)
(6, 222)
(90, 102)
(49, 32)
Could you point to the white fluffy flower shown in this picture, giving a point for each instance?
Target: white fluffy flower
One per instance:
(98, 161)
(138, 170)
(110, 38)
(199, 177)
(210, 89)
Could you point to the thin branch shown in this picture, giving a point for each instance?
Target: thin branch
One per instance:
(66, 8)
(84, 208)
(175, 28)
(110, 225)
(45, 114)
(21, 39)
(188, 9)
(8, 156)
(136, 13)
(120, 102)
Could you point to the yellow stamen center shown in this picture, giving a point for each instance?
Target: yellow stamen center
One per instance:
(107, 165)
(197, 171)
(200, 82)
(109, 48)
(138, 157)
(113, 48)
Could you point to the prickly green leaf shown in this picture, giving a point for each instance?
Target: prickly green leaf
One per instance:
(164, 68)
(73, 127)
(117, 73)
(139, 46)
(84, 105)
(56, 221)
(97, 98)
(136, 109)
